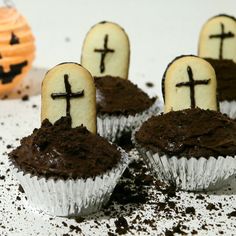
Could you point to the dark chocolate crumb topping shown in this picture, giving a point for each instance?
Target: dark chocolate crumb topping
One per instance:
(120, 96)
(189, 133)
(60, 151)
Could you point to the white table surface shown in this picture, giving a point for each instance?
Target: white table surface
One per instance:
(158, 32)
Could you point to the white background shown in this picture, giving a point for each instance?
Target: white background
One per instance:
(159, 30)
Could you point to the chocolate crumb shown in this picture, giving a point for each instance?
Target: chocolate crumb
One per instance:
(122, 226)
(190, 210)
(79, 219)
(232, 214)
(175, 229)
(2, 177)
(111, 234)
(200, 197)
(18, 198)
(149, 84)
(4, 97)
(211, 207)
(64, 223)
(21, 189)
(125, 141)
(75, 229)
(204, 227)
(25, 98)
(194, 231)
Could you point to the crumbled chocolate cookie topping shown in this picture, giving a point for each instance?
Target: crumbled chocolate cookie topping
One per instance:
(61, 151)
(189, 133)
(120, 96)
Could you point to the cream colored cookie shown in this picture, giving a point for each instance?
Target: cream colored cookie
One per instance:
(218, 38)
(189, 82)
(68, 90)
(106, 50)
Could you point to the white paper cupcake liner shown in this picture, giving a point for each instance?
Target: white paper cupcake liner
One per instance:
(111, 127)
(190, 174)
(71, 197)
(229, 108)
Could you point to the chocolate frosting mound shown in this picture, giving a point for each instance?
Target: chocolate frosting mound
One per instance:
(226, 78)
(189, 133)
(120, 96)
(60, 151)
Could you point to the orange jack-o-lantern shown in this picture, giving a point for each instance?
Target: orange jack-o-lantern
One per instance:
(17, 48)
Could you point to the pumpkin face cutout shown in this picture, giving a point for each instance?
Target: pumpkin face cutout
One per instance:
(17, 48)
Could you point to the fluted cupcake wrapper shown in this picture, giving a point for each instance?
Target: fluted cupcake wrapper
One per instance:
(112, 127)
(229, 108)
(193, 174)
(71, 197)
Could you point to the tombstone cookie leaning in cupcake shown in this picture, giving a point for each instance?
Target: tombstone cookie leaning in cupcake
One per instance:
(121, 105)
(64, 167)
(191, 145)
(217, 44)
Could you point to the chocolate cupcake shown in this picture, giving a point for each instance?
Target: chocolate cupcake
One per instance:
(64, 167)
(217, 45)
(121, 105)
(67, 171)
(191, 146)
(193, 149)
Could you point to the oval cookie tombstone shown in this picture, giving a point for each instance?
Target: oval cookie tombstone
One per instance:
(68, 90)
(106, 50)
(218, 38)
(189, 82)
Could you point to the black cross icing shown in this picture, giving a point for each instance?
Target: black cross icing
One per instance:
(104, 52)
(191, 84)
(68, 95)
(222, 36)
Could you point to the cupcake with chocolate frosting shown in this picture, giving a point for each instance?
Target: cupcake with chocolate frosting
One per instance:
(121, 105)
(217, 45)
(64, 167)
(190, 146)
